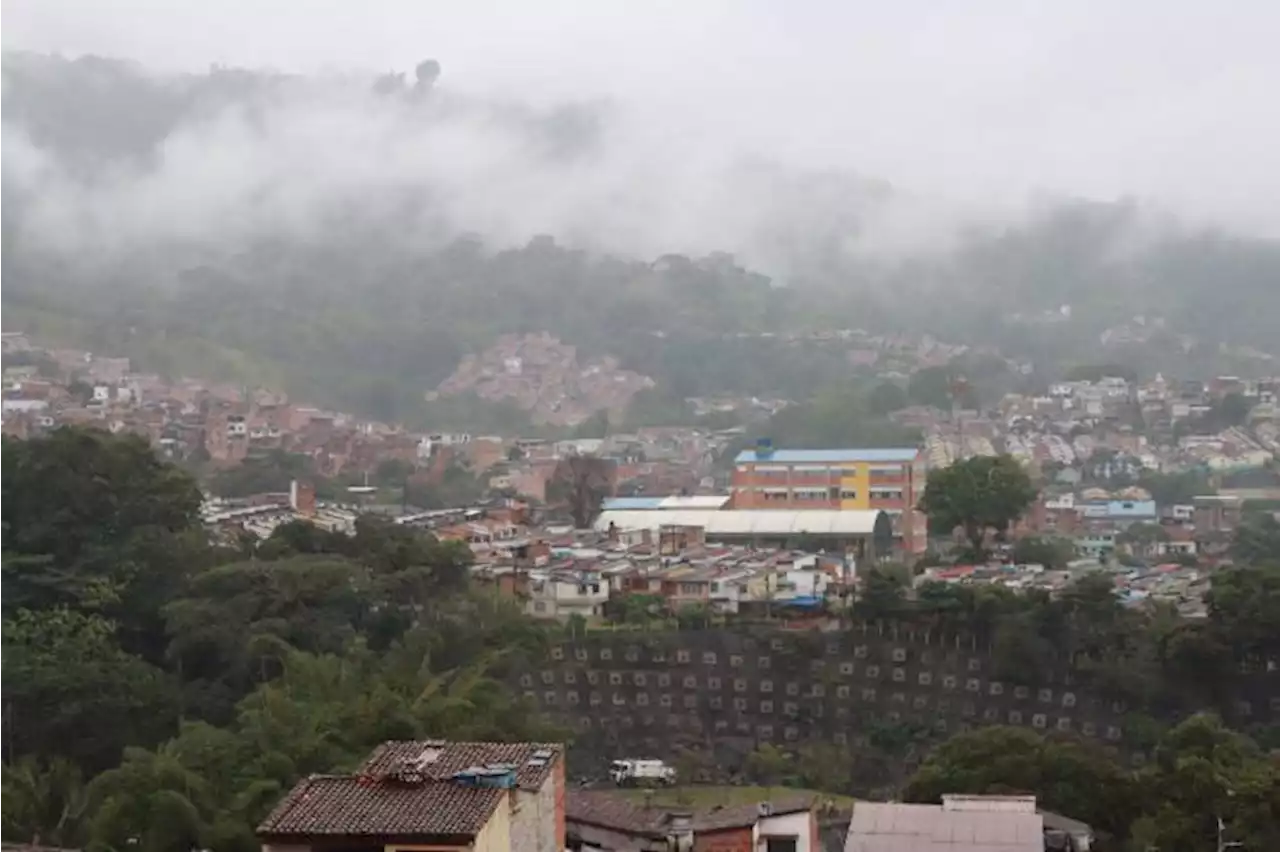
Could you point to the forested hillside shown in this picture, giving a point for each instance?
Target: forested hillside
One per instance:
(161, 688)
(189, 222)
(161, 693)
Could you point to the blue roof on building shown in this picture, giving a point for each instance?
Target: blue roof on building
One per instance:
(632, 503)
(899, 454)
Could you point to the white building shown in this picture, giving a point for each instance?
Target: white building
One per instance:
(563, 595)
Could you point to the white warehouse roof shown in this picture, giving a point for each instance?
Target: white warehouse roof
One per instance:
(761, 522)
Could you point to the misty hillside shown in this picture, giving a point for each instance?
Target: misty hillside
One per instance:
(352, 238)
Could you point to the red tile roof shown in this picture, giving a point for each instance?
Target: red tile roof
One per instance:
(452, 758)
(374, 802)
(362, 806)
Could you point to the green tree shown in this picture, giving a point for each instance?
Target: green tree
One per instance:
(940, 387)
(1204, 776)
(1143, 535)
(150, 802)
(1181, 487)
(1052, 553)
(580, 483)
(882, 591)
(1257, 540)
(229, 628)
(1244, 606)
(92, 503)
(70, 690)
(1232, 410)
(886, 398)
(1066, 776)
(977, 494)
(271, 472)
(769, 765)
(44, 801)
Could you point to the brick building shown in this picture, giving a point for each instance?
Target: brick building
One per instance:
(480, 797)
(889, 480)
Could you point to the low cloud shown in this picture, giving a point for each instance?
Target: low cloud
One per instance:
(298, 160)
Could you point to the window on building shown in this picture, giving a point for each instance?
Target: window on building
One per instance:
(780, 844)
(848, 494)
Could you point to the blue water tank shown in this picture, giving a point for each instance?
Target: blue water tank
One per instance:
(498, 777)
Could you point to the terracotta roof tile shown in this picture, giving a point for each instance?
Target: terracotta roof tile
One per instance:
(455, 757)
(355, 805)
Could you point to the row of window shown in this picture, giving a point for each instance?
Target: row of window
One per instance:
(791, 709)
(710, 658)
(766, 732)
(768, 471)
(816, 690)
(821, 495)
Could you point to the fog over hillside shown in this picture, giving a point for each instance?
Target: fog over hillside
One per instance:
(235, 202)
(228, 157)
(725, 127)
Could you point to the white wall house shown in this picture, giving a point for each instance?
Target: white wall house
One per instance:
(561, 596)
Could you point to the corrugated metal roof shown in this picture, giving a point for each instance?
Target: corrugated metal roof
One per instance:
(630, 503)
(900, 454)
(702, 501)
(707, 501)
(881, 827)
(746, 522)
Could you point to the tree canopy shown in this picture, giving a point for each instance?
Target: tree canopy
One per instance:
(1203, 773)
(161, 692)
(977, 494)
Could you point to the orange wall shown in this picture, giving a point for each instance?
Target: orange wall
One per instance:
(728, 840)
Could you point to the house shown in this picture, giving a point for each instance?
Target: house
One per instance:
(959, 824)
(606, 822)
(1217, 513)
(1110, 514)
(431, 794)
(563, 594)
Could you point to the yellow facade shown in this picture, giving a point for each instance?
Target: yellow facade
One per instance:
(496, 834)
(856, 478)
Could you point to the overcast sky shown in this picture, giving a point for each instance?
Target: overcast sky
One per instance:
(1170, 101)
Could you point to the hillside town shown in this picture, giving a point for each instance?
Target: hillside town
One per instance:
(638, 428)
(779, 530)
